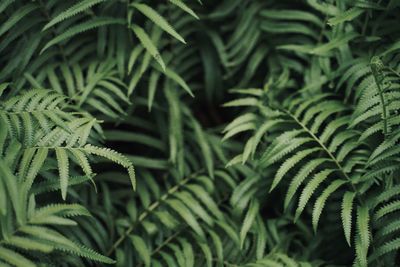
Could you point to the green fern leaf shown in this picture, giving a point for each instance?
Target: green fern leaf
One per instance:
(158, 20)
(3, 133)
(72, 11)
(218, 246)
(363, 230)
(36, 165)
(387, 209)
(88, 253)
(29, 244)
(207, 200)
(5, 4)
(142, 249)
(195, 207)
(248, 220)
(114, 157)
(83, 162)
(154, 77)
(66, 210)
(85, 26)
(335, 43)
(388, 247)
(10, 183)
(347, 15)
(205, 148)
(15, 258)
(63, 168)
(321, 200)
(289, 164)
(207, 253)
(148, 44)
(187, 253)
(239, 129)
(300, 177)
(309, 189)
(184, 7)
(16, 17)
(178, 79)
(346, 214)
(185, 213)
(248, 101)
(283, 149)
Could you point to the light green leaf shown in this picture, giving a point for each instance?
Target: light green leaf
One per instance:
(141, 248)
(15, 258)
(320, 203)
(79, 28)
(309, 189)
(63, 170)
(158, 20)
(248, 220)
(185, 213)
(72, 11)
(184, 7)
(148, 44)
(346, 212)
(347, 15)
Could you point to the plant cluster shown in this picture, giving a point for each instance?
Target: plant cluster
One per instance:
(199, 133)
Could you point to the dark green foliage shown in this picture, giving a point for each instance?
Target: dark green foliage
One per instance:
(199, 133)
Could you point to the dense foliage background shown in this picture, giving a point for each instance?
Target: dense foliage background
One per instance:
(262, 133)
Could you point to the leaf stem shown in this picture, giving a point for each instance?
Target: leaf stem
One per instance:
(333, 158)
(152, 207)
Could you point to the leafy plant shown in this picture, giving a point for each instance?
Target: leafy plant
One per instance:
(199, 133)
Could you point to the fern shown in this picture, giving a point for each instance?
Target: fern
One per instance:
(72, 11)
(148, 44)
(63, 166)
(88, 25)
(262, 133)
(157, 19)
(25, 233)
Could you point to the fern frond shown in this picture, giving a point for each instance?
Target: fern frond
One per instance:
(314, 118)
(348, 15)
(35, 166)
(363, 233)
(309, 190)
(63, 168)
(248, 220)
(290, 163)
(186, 215)
(16, 17)
(302, 175)
(387, 248)
(66, 210)
(321, 200)
(142, 249)
(346, 214)
(184, 7)
(29, 244)
(114, 157)
(72, 11)
(14, 258)
(85, 26)
(158, 20)
(148, 44)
